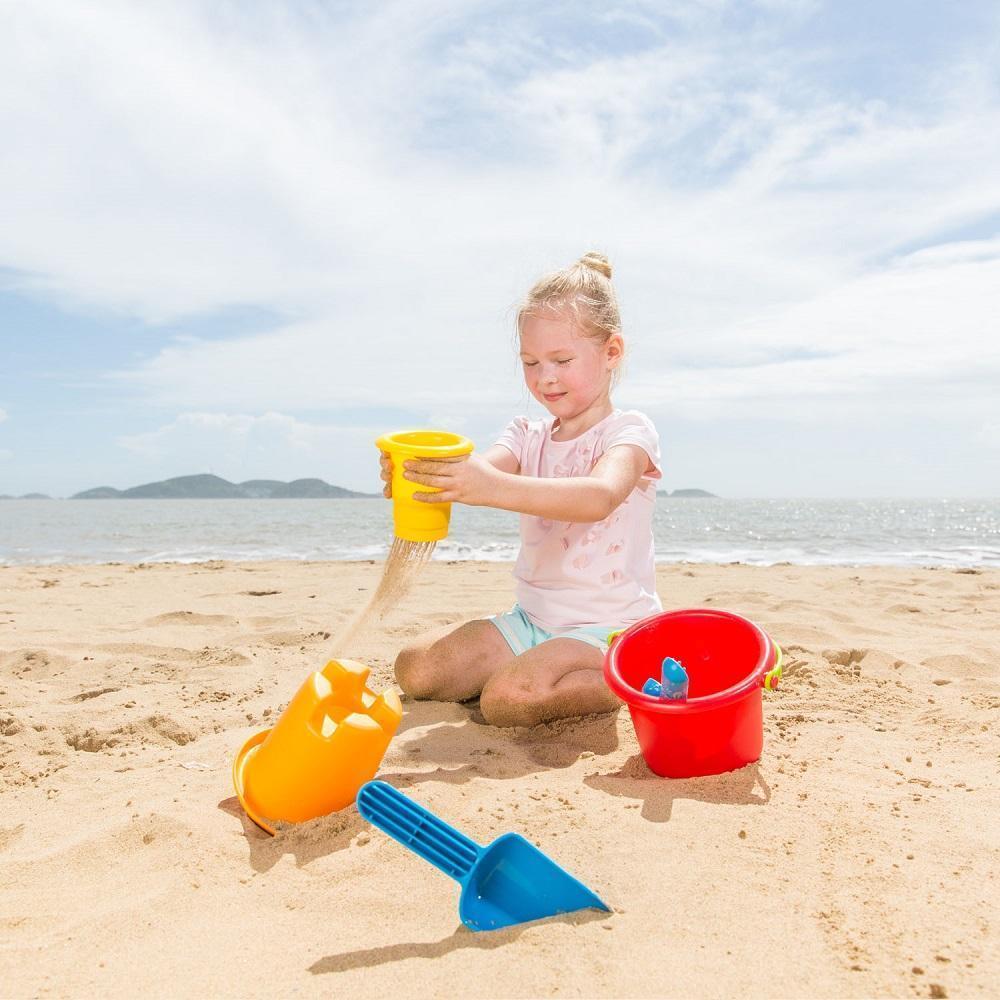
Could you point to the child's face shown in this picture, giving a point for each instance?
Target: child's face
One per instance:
(565, 371)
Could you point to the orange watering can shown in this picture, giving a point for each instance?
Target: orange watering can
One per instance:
(326, 744)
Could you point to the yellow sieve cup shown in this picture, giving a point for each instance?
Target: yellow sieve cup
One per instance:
(415, 521)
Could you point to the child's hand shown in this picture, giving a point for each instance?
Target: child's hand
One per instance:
(386, 474)
(469, 479)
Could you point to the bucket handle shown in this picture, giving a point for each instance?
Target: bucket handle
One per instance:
(773, 676)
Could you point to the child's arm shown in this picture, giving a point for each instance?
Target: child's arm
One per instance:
(503, 459)
(579, 499)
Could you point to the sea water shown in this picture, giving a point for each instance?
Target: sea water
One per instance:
(760, 532)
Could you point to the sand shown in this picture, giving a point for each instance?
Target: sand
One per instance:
(859, 857)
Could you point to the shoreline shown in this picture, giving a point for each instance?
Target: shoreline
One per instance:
(846, 533)
(368, 561)
(852, 859)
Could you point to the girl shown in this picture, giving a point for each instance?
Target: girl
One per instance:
(583, 481)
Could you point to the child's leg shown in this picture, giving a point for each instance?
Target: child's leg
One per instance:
(452, 664)
(557, 679)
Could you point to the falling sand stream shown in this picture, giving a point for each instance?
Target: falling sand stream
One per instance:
(402, 567)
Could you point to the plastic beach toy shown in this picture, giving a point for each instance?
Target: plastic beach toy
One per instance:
(415, 521)
(674, 680)
(324, 746)
(509, 882)
(653, 688)
(673, 685)
(721, 724)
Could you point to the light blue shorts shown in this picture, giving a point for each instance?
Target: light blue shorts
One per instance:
(523, 634)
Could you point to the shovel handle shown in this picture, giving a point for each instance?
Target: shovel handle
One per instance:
(415, 827)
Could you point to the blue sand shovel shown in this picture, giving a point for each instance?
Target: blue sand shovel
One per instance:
(508, 882)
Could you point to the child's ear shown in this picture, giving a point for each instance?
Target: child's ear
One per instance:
(615, 349)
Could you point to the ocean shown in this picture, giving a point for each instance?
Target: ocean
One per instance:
(960, 533)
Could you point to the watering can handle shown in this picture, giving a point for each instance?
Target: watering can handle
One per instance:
(773, 675)
(415, 827)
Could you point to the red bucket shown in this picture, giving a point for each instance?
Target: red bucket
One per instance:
(728, 660)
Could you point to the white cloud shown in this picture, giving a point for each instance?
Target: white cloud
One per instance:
(917, 334)
(393, 177)
(914, 334)
(240, 446)
(989, 434)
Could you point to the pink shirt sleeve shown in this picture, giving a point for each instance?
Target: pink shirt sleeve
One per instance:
(514, 436)
(632, 427)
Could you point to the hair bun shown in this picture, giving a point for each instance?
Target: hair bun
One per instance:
(597, 262)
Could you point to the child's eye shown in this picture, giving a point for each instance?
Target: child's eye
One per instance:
(529, 364)
(564, 362)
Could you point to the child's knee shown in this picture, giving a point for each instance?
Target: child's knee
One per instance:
(511, 701)
(414, 673)
(426, 673)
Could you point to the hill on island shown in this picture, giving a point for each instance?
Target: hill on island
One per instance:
(208, 487)
(686, 494)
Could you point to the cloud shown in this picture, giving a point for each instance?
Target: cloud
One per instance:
(989, 434)
(241, 446)
(391, 179)
(914, 335)
(296, 160)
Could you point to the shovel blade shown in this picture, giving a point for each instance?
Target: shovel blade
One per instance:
(513, 882)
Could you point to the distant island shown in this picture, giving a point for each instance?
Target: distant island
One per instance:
(207, 487)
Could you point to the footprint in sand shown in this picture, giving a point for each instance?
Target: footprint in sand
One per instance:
(191, 618)
(959, 666)
(39, 663)
(844, 657)
(300, 639)
(220, 657)
(153, 730)
(10, 725)
(96, 693)
(846, 662)
(9, 835)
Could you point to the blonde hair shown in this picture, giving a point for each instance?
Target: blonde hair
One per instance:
(584, 288)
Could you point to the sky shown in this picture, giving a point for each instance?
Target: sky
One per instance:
(247, 238)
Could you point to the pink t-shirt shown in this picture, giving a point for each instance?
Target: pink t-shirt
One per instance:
(568, 574)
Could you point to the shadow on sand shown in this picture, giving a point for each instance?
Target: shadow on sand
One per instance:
(462, 746)
(462, 937)
(459, 747)
(634, 780)
(306, 842)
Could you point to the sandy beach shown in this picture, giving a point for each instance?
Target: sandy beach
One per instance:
(858, 858)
